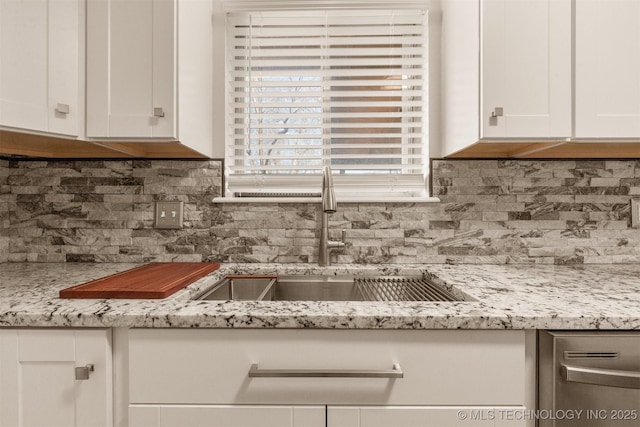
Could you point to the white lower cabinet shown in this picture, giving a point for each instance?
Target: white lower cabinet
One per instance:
(321, 416)
(227, 416)
(202, 377)
(423, 416)
(38, 380)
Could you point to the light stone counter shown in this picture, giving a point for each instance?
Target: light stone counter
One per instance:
(507, 297)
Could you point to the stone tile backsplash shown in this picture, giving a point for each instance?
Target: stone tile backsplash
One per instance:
(5, 194)
(491, 211)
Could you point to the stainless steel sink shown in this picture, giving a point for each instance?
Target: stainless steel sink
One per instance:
(239, 288)
(315, 288)
(325, 288)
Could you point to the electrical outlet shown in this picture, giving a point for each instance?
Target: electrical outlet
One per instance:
(635, 213)
(168, 215)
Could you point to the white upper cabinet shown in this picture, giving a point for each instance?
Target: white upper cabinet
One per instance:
(535, 78)
(607, 69)
(150, 71)
(131, 68)
(526, 68)
(507, 70)
(40, 63)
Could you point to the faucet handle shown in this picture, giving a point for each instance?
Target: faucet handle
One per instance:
(344, 235)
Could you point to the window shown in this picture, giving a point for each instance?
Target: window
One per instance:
(345, 88)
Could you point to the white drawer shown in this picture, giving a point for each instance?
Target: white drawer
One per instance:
(441, 367)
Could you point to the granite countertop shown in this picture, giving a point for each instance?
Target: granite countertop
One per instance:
(506, 297)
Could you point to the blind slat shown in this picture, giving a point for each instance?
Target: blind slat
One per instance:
(318, 31)
(335, 52)
(416, 126)
(350, 136)
(330, 93)
(327, 73)
(337, 157)
(302, 169)
(335, 62)
(337, 83)
(294, 104)
(309, 41)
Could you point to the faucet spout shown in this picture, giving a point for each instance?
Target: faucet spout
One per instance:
(329, 206)
(329, 203)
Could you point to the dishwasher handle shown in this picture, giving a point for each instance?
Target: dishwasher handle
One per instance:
(604, 377)
(256, 372)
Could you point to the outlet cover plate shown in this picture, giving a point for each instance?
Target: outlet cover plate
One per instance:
(168, 215)
(635, 213)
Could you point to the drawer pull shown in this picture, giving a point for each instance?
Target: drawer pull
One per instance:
(256, 372)
(604, 377)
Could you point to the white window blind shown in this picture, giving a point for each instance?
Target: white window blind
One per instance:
(345, 88)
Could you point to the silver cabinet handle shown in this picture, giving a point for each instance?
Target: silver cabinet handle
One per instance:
(256, 372)
(497, 112)
(605, 377)
(62, 108)
(158, 112)
(83, 372)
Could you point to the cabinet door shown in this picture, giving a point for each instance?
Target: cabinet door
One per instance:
(526, 68)
(130, 68)
(226, 416)
(65, 109)
(39, 386)
(423, 416)
(23, 64)
(607, 69)
(39, 63)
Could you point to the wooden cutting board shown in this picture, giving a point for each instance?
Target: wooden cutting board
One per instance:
(150, 281)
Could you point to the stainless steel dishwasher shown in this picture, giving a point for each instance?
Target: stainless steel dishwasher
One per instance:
(588, 379)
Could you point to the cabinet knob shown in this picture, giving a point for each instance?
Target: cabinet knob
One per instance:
(158, 112)
(62, 108)
(497, 112)
(82, 373)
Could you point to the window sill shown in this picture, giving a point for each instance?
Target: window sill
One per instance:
(343, 199)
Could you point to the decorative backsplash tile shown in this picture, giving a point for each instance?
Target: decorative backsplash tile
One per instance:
(492, 211)
(4, 210)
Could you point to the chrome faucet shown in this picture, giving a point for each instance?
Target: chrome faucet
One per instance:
(329, 206)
